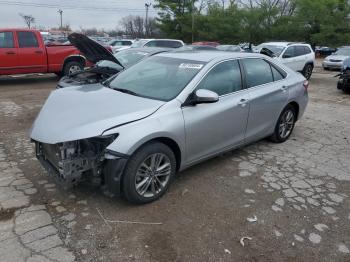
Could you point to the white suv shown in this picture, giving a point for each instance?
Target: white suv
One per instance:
(298, 56)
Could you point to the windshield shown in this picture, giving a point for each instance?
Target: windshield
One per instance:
(277, 50)
(139, 43)
(161, 78)
(130, 57)
(343, 51)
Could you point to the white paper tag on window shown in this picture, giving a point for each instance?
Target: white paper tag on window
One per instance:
(190, 66)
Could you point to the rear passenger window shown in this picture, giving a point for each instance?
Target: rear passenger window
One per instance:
(258, 72)
(6, 40)
(27, 39)
(174, 44)
(223, 79)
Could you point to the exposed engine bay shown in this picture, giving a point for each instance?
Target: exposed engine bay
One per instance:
(89, 76)
(71, 162)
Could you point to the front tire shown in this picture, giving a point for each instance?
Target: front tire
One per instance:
(285, 125)
(72, 67)
(149, 173)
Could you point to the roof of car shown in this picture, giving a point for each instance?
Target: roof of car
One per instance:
(150, 50)
(284, 43)
(207, 56)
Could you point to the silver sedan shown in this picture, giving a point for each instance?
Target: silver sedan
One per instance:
(132, 133)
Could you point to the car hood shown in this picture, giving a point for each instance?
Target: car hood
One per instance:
(92, 50)
(337, 57)
(81, 112)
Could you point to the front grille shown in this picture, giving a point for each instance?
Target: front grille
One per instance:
(335, 61)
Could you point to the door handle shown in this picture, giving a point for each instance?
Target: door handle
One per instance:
(10, 53)
(38, 52)
(243, 102)
(284, 88)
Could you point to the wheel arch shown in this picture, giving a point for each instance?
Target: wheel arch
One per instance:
(171, 143)
(296, 106)
(74, 58)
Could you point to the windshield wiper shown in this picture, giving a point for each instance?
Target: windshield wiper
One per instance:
(126, 91)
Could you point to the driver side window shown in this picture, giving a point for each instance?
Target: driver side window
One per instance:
(223, 79)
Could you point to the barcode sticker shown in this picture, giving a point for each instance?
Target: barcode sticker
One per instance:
(190, 66)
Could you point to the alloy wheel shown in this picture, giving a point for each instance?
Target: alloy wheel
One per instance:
(286, 124)
(152, 175)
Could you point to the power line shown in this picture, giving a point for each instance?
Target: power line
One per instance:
(72, 7)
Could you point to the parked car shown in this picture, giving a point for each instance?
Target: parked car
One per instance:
(23, 51)
(166, 43)
(298, 56)
(344, 76)
(335, 61)
(164, 114)
(108, 65)
(120, 44)
(230, 48)
(196, 48)
(214, 44)
(325, 50)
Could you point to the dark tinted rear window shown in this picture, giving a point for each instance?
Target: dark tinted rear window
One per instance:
(6, 40)
(258, 72)
(27, 39)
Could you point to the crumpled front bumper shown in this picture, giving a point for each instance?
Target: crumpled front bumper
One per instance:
(106, 170)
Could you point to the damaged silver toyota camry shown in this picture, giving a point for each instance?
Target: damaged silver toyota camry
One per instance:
(132, 133)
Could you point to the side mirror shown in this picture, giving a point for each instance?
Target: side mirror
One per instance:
(286, 56)
(202, 96)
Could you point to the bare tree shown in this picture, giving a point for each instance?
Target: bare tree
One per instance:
(28, 19)
(135, 26)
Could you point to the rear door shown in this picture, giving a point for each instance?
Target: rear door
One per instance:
(8, 53)
(32, 55)
(268, 96)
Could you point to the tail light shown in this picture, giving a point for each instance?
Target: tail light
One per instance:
(306, 84)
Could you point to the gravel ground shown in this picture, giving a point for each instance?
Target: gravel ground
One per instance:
(290, 200)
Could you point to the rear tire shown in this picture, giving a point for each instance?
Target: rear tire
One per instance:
(72, 67)
(148, 173)
(307, 71)
(285, 125)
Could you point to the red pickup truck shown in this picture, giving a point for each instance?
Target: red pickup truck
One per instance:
(23, 51)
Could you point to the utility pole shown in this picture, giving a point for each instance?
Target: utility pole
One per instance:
(60, 12)
(147, 5)
(192, 21)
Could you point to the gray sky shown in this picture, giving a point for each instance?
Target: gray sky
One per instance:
(86, 13)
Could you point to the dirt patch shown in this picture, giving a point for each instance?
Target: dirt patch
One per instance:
(7, 214)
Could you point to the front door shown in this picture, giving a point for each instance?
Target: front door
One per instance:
(211, 128)
(289, 58)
